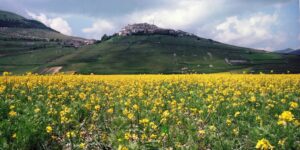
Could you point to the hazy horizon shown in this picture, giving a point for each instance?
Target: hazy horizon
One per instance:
(268, 25)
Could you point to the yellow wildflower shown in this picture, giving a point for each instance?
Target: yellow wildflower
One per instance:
(135, 106)
(253, 99)
(12, 113)
(82, 96)
(97, 107)
(153, 125)
(281, 142)
(130, 116)
(37, 110)
(285, 117)
(110, 111)
(2, 88)
(237, 114)
(297, 123)
(127, 136)
(144, 136)
(82, 145)
(228, 122)
(70, 134)
(5, 73)
(293, 105)
(48, 129)
(282, 122)
(144, 121)
(263, 144)
(165, 113)
(235, 131)
(153, 136)
(201, 132)
(134, 136)
(12, 106)
(14, 136)
(122, 147)
(212, 128)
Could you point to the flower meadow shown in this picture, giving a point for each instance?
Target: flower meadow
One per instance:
(216, 111)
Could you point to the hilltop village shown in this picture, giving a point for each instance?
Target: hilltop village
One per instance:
(145, 28)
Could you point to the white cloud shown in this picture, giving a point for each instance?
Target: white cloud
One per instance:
(176, 14)
(249, 31)
(57, 23)
(179, 14)
(266, 48)
(99, 28)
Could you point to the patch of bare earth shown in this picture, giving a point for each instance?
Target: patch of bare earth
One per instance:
(51, 70)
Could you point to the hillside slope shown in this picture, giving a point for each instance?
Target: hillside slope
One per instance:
(8, 19)
(16, 27)
(138, 48)
(27, 44)
(172, 54)
(145, 48)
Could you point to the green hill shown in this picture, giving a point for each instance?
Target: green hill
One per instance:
(140, 48)
(172, 54)
(8, 19)
(26, 45)
(16, 27)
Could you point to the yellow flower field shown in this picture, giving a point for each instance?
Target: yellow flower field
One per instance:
(220, 111)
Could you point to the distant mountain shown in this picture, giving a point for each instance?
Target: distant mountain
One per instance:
(13, 26)
(296, 52)
(20, 35)
(11, 20)
(289, 51)
(285, 51)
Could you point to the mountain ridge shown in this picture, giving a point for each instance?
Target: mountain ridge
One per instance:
(289, 51)
(12, 20)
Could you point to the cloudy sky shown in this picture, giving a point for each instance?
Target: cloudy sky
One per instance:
(263, 24)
